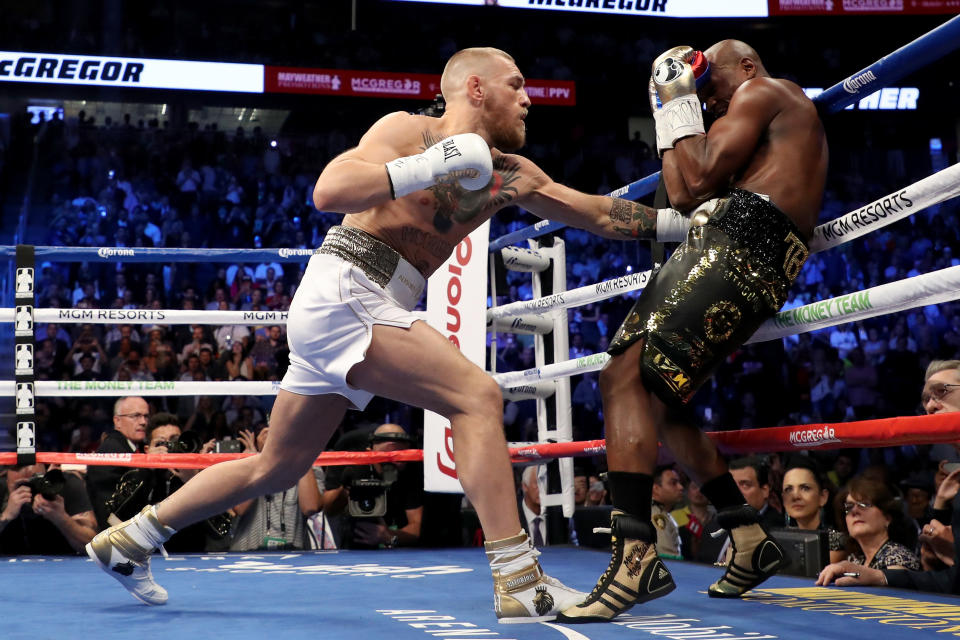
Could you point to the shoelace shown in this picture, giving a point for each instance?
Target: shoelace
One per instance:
(507, 556)
(610, 567)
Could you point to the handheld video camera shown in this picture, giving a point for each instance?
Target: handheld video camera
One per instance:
(49, 484)
(368, 496)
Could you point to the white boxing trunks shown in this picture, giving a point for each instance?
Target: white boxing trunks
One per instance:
(354, 282)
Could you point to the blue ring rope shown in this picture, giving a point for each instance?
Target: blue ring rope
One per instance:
(159, 254)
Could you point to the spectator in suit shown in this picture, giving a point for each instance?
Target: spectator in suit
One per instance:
(543, 530)
(130, 417)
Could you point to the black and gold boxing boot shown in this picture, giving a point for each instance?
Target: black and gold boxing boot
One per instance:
(635, 573)
(522, 592)
(756, 555)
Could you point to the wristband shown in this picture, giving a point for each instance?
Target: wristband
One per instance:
(671, 225)
(681, 117)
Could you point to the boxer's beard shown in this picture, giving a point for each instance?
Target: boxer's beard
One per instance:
(507, 135)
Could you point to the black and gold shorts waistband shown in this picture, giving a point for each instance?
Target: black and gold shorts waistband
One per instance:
(752, 221)
(378, 260)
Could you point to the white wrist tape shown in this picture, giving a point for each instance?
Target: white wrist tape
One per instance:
(681, 117)
(671, 225)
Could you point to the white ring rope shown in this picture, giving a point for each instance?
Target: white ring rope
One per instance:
(151, 316)
(116, 388)
(930, 288)
(573, 297)
(891, 208)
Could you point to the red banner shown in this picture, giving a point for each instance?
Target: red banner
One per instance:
(383, 84)
(861, 7)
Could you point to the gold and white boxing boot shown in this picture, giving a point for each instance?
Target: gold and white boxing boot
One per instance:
(635, 573)
(123, 552)
(522, 592)
(756, 555)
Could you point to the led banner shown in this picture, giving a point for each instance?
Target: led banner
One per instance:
(656, 8)
(861, 7)
(105, 71)
(382, 84)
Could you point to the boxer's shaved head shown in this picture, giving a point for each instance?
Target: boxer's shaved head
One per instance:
(479, 61)
(730, 53)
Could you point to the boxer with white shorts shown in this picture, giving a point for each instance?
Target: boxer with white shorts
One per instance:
(412, 189)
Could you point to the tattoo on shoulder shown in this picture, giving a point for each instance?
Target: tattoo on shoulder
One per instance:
(456, 204)
(429, 139)
(640, 220)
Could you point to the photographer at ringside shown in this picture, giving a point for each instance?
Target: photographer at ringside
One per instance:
(44, 512)
(383, 502)
(140, 487)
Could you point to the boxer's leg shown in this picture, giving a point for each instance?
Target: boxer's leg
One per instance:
(419, 366)
(299, 428)
(756, 554)
(632, 416)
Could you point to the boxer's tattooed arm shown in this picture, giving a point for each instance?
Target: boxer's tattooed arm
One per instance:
(640, 220)
(456, 204)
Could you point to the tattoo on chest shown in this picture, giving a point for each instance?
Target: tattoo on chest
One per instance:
(456, 204)
(640, 220)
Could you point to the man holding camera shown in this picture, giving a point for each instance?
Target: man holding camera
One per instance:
(384, 500)
(44, 512)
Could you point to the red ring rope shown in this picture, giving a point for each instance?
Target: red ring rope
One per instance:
(884, 432)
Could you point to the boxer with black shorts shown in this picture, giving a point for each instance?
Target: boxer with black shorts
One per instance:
(412, 189)
(758, 178)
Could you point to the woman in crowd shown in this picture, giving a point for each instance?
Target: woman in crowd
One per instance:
(805, 493)
(879, 535)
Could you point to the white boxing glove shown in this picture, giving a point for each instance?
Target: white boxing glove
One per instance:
(464, 152)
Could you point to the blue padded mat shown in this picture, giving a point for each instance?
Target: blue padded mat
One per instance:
(422, 594)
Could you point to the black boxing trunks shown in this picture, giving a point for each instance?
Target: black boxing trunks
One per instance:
(731, 274)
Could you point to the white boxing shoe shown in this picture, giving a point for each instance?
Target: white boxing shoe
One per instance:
(525, 594)
(123, 552)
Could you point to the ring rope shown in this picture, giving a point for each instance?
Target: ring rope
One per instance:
(170, 388)
(150, 316)
(162, 254)
(929, 288)
(882, 432)
(903, 203)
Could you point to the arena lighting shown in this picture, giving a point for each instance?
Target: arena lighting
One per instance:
(886, 99)
(653, 8)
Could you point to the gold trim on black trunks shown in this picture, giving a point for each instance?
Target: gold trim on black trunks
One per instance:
(675, 378)
(795, 255)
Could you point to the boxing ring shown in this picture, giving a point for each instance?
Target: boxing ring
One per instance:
(346, 594)
(441, 593)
